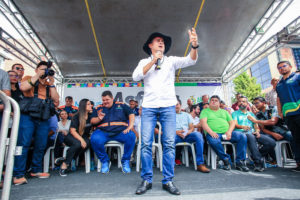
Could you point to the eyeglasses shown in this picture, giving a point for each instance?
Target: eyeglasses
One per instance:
(16, 76)
(20, 69)
(283, 66)
(255, 103)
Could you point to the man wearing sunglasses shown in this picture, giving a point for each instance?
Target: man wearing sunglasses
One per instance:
(19, 69)
(288, 101)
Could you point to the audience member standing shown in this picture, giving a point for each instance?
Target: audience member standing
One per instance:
(19, 69)
(288, 91)
(16, 93)
(31, 127)
(189, 106)
(205, 99)
(4, 87)
(271, 97)
(69, 107)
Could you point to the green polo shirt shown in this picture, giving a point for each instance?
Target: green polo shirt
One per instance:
(242, 119)
(218, 120)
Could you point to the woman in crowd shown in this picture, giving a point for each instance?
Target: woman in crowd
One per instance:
(78, 138)
(16, 93)
(63, 127)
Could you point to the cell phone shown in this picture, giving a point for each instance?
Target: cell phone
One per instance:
(224, 136)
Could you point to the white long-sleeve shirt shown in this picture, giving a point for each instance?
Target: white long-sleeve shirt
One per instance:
(159, 89)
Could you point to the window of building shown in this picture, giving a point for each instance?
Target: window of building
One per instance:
(261, 71)
(296, 52)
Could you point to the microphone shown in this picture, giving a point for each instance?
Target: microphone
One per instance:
(158, 63)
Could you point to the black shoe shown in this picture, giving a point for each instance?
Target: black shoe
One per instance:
(241, 166)
(145, 185)
(259, 167)
(297, 169)
(170, 187)
(63, 172)
(59, 161)
(226, 165)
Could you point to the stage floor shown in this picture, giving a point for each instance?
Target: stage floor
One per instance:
(274, 183)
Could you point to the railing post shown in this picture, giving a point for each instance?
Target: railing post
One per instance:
(8, 101)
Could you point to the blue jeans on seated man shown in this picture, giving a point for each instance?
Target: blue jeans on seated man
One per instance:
(31, 128)
(236, 137)
(194, 137)
(99, 138)
(267, 143)
(167, 118)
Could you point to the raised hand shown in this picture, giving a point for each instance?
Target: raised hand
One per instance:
(101, 115)
(193, 37)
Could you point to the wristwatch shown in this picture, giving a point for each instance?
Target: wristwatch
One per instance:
(196, 47)
(51, 86)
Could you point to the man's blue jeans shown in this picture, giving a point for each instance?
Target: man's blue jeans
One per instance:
(167, 118)
(31, 128)
(241, 145)
(198, 139)
(99, 138)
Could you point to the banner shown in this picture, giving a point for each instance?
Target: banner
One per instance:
(126, 91)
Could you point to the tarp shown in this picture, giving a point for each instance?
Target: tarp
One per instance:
(122, 27)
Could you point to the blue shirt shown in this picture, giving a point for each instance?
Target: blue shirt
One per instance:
(288, 91)
(115, 119)
(68, 109)
(242, 119)
(183, 120)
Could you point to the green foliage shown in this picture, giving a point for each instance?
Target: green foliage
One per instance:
(247, 86)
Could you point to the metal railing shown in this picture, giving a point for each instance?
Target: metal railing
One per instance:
(8, 102)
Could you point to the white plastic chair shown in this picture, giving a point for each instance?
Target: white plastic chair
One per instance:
(280, 151)
(212, 155)
(87, 158)
(120, 148)
(158, 149)
(50, 152)
(185, 157)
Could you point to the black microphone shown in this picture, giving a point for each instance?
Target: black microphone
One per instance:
(158, 63)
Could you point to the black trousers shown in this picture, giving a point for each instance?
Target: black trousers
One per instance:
(293, 123)
(75, 147)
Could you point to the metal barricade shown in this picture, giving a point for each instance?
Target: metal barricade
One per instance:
(8, 102)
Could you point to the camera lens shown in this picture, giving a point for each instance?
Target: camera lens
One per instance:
(51, 72)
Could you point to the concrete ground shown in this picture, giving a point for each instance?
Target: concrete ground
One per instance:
(274, 183)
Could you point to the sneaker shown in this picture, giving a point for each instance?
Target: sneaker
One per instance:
(178, 162)
(126, 167)
(241, 166)
(63, 172)
(259, 167)
(297, 169)
(226, 165)
(105, 167)
(59, 161)
(40, 175)
(73, 165)
(20, 181)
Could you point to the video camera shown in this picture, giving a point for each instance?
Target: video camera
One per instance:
(48, 71)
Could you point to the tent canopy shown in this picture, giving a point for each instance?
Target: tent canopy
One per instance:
(122, 27)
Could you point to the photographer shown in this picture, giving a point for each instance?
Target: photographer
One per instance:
(38, 90)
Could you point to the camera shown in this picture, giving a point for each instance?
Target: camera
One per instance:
(48, 71)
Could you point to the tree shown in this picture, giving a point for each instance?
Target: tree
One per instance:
(247, 86)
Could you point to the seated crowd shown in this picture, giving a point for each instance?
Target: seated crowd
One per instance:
(255, 126)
